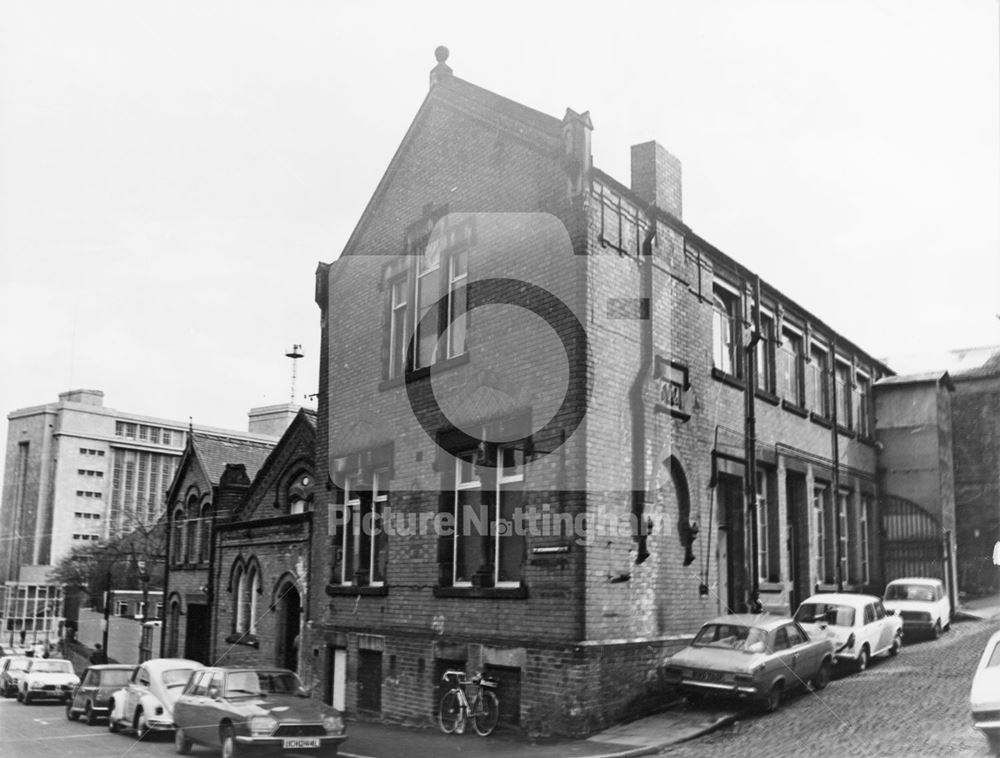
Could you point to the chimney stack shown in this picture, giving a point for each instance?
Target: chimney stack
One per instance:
(656, 177)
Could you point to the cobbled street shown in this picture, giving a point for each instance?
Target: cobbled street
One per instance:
(914, 705)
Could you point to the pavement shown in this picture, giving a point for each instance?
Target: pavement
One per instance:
(675, 724)
(645, 736)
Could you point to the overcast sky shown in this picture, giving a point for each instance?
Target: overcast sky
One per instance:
(171, 173)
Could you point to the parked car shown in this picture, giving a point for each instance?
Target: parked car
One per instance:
(985, 695)
(146, 703)
(859, 625)
(754, 656)
(922, 604)
(47, 679)
(12, 668)
(246, 709)
(92, 697)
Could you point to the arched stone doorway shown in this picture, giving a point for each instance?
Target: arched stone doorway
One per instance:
(288, 610)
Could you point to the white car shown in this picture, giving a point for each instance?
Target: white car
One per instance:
(47, 679)
(985, 696)
(922, 604)
(859, 625)
(147, 703)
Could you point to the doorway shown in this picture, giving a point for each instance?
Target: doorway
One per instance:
(732, 555)
(288, 626)
(370, 680)
(196, 633)
(797, 506)
(336, 677)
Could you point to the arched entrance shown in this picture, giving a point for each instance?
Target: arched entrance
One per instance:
(288, 609)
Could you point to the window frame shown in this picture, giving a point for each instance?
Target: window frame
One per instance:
(726, 329)
(357, 544)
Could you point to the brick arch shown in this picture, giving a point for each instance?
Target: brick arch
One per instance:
(287, 577)
(235, 570)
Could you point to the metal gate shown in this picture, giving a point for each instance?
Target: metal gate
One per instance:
(912, 540)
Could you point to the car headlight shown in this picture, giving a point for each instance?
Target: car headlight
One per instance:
(260, 725)
(35, 685)
(333, 723)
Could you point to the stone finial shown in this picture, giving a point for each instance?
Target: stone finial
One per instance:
(442, 70)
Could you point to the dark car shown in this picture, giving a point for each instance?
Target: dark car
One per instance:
(92, 697)
(260, 710)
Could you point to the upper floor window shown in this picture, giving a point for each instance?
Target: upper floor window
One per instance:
(844, 394)
(726, 330)
(178, 546)
(791, 360)
(765, 369)
(247, 588)
(300, 493)
(862, 407)
(205, 533)
(360, 536)
(488, 493)
(819, 381)
(427, 301)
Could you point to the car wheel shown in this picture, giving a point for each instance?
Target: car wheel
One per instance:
(181, 743)
(70, 713)
(993, 740)
(229, 749)
(141, 725)
(936, 631)
(113, 725)
(773, 701)
(26, 698)
(88, 713)
(897, 644)
(19, 696)
(822, 677)
(862, 663)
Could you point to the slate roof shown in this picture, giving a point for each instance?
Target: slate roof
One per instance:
(990, 368)
(214, 452)
(929, 377)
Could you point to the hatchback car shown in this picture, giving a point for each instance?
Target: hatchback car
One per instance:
(859, 625)
(254, 709)
(12, 668)
(758, 657)
(985, 695)
(922, 604)
(146, 703)
(47, 679)
(92, 697)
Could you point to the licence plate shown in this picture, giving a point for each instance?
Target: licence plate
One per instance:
(299, 742)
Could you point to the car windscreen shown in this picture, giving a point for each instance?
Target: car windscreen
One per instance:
(51, 667)
(994, 657)
(175, 677)
(828, 613)
(115, 677)
(732, 637)
(920, 592)
(19, 664)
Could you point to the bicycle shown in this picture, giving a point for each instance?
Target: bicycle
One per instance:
(455, 705)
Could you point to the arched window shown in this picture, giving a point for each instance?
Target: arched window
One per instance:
(254, 594)
(205, 530)
(300, 493)
(191, 545)
(173, 625)
(242, 610)
(178, 535)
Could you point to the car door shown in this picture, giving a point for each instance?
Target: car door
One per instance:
(85, 690)
(138, 687)
(887, 624)
(782, 663)
(871, 630)
(805, 655)
(190, 706)
(214, 708)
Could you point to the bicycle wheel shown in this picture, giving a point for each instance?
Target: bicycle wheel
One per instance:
(450, 712)
(487, 713)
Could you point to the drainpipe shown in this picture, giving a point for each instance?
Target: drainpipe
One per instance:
(750, 439)
(835, 448)
(164, 622)
(636, 400)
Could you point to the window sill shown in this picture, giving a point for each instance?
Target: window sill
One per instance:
(423, 373)
(771, 587)
(846, 431)
(489, 593)
(722, 376)
(791, 407)
(821, 420)
(334, 590)
(768, 397)
(870, 441)
(675, 412)
(239, 638)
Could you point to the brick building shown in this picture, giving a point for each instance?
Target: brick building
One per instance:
(261, 557)
(643, 432)
(213, 475)
(976, 426)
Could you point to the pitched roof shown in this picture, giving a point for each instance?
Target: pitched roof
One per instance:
(990, 368)
(929, 377)
(214, 452)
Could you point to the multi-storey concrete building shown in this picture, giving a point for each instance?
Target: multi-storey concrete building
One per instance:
(78, 472)
(583, 428)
